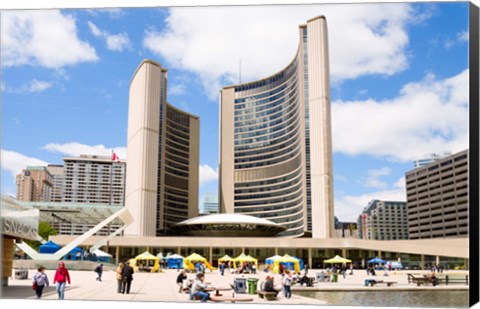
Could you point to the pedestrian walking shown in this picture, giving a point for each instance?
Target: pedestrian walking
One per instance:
(287, 282)
(61, 278)
(222, 269)
(40, 280)
(119, 277)
(99, 271)
(127, 277)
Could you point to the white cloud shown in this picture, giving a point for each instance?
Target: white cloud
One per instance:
(94, 29)
(42, 38)
(76, 149)
(32, 86)
(373, 178)
(207, 174)
(176, 89)
(113, 13)
(115, 42)
(463, 36)
(266, 39)
(349, 207)
(429, 116)
(15, 162)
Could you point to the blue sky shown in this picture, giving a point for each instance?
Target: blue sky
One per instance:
(399, 82)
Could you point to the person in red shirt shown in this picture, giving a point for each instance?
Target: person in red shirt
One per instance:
(61, 278)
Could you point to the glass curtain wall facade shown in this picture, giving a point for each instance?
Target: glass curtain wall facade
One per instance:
(279, 123)
(163, 154)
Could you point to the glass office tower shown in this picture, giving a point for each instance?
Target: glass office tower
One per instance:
(275, 142)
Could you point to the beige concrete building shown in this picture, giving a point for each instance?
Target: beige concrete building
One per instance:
(58, 181)
(437, 198)
(34, 184)
(163, 156)
(93, 179)
(383, 220)
(275, 142)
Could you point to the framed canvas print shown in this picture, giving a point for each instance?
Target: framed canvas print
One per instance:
(247, 155)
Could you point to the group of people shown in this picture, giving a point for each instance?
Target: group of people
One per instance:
(198, 287)
(61, 278)
(268, 284)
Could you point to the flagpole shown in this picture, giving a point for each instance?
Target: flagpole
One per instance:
(111, 176)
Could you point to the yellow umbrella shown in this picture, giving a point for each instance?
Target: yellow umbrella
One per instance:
(147, 256)
(245, 258)
(225, 258)
(338, 259)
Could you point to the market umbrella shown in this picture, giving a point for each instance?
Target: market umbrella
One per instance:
(377, 260)
(338, 259)
(225, 258)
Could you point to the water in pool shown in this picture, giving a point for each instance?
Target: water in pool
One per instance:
(440, 298)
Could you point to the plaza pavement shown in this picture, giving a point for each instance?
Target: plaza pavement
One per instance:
(162, 287)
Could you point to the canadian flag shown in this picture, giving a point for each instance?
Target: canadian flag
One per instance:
(115, 158)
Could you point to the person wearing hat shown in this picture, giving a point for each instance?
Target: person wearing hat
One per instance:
(61, 278)
(198, 288)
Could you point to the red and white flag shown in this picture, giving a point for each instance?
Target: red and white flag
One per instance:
(115, 158)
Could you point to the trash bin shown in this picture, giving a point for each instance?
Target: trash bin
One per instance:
(239, 285)
(21, 274)
(252, 286)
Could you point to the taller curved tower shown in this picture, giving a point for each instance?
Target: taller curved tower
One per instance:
(276, 145)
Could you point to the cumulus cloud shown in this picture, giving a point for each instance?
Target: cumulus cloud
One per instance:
(31, 86)
(266, 38)
(349, 207)
(428, 116)
(15, 162)
(115, 42)
(207, 174)
(76, 149)
(42, 38)
(373, 178)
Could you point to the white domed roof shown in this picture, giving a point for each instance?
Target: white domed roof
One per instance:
(228, 219)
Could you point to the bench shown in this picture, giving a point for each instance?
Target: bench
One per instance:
(267, 295)
(453, 279)
(371, 282)
(419, 280)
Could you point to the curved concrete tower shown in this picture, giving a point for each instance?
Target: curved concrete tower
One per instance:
(162, 156)
(275, 142)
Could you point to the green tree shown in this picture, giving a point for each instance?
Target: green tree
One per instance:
(44, 230)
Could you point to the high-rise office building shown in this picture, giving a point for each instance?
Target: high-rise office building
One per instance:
(437, 197)
(93, 179)
(57, 183)
(34, 184)
(275, 142)
(383, 220)
(163, 156)
(210, 203)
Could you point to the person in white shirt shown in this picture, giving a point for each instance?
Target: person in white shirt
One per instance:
(198, 288)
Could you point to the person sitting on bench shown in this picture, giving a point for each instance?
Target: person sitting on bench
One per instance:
(269, 286)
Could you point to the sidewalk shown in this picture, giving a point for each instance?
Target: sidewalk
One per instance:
(162, 286)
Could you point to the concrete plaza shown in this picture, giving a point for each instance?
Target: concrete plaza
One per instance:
(147, 287)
